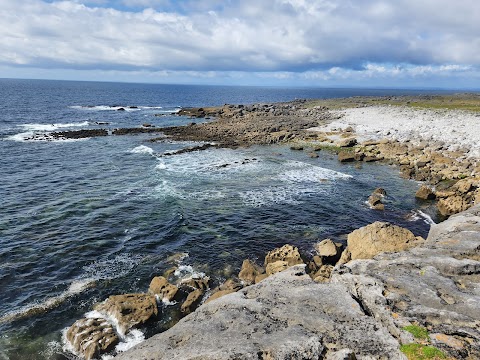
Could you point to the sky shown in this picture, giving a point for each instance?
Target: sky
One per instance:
(325, 43)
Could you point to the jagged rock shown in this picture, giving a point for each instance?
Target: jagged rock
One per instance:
(380, 191)
(286, 316)
(260, 277)
(346, 156)
(435, 285)
(370, 240)
(249, 272)
(129, 310)
(92, 337)
(451, 205)
(348, 142)
(192, 301)
(323, 274)
(313, 155)
(375, 202)
(276, 266)
(425, 193)
(200, 284)
(161, 287)
(287, 253)
(345, 257)
(329, 251)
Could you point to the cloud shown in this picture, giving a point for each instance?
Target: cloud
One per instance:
(277, 36)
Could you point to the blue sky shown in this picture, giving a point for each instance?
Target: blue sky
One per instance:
(361, 43)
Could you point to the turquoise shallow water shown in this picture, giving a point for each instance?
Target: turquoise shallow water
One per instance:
(82, 220)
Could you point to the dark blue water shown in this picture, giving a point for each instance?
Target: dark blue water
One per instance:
(81, 220)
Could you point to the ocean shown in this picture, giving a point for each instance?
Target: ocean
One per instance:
(84, 219)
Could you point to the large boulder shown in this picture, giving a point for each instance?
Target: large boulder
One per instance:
(347, 142)
(287, 253)
(346, 156)
(452, 205)
(161, 287)
(129, 310)
(425, 193)
(328, 251)
(373, 239)
(91, 337)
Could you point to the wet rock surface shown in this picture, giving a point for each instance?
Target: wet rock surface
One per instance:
(359, 314)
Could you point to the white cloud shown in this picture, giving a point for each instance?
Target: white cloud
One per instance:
(327, 37)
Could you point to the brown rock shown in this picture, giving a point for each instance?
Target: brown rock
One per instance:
(425, 193)
(313, 155)
(129, 310)
(275, 267)
(287, 253)
(200, 284)
(346, 156)
(373, 239)
(249, 272)
(375, 202)
(92, 337)
(161, 287)
(380, 191)
(329, 252)
(347, 142)
(451, 205)
(345, 257)
(260, 278)
(464, 186)
(323, 274)
(192, 301)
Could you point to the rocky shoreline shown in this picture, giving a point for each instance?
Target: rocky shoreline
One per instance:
(342, 303)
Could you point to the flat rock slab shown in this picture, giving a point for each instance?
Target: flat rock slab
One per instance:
(287, 316)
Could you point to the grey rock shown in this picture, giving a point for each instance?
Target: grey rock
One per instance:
(286, 316)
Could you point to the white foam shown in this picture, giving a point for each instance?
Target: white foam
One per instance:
(311, 173)
(30, 136)
(109, 269)
(187, 272)
(104, 108)
(161, 166)
(76, 287)
(52, 127)
(426, 218)
(142, 149)
(134, 337)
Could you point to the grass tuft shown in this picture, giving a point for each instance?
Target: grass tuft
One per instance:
(418, 332)
(422, 352)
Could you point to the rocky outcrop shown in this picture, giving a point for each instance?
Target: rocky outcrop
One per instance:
(425, 193)
(328, 251)
(375, 200)
(129, 310)
(360, 314)
(287, 316)
(91, 337)
(162, 288)
(249, 272)
(373, 239)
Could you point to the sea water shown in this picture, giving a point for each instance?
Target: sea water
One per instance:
(84, 219)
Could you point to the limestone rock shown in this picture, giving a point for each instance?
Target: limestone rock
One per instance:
(275, 267)
(260, 277)
(129, 310)
(219, 294)
(375, 202)
(249, 272)
(346, 156)
(323, 274)
(286, 316)
(425, 193)
(287, 253)
(192, 301)
(329, 251)
(200, 284)
(161, 287)
(370, 240)
(92, 337)
(345, 257)
(347, 142)
(451, 205)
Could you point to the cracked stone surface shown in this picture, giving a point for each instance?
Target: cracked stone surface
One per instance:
(359, 314)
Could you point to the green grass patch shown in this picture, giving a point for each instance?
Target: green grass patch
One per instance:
(333, 148)
(422, 352)
(418, 332)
